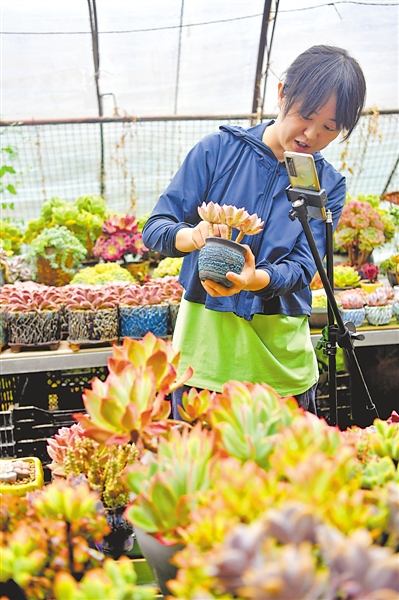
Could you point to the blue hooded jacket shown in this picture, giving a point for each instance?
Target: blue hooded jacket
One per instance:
(233, 166)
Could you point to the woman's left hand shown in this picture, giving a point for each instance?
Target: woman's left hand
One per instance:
(250, 279)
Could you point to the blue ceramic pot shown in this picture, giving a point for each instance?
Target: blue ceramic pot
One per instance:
(219, 256)
(136, 321)
(354, 315)
(379, 315)
(395, 307)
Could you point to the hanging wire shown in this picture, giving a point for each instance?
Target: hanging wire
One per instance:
(178, 57)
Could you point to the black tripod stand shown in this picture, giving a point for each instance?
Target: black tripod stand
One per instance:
(338, 332)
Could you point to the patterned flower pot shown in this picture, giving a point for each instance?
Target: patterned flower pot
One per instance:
(379, 315)
(136, 321)
(93, 325)
(3, 331)
(49, 276)
(354, 315)
(219, 256)
(33, 328)
(173, 312)
(158, 557)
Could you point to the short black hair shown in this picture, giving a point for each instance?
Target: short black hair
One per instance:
(318, 73)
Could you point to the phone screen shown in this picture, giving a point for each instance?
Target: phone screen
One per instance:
(302, 170)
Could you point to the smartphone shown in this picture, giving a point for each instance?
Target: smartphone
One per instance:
(302, 174)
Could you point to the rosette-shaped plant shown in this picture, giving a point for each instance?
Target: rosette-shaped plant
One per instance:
(359, 231)
(120, 237)
(369, 271)
(352, 299)
(130, 404)
(345, 276)
(102, 274)
(143, 295)
(233, 217)
(90, 298)
(380, 296)
(30, 297)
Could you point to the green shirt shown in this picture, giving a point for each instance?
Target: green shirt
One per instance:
(219, 346)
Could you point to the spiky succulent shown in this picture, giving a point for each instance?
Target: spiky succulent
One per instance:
(31, 297)
(90, 298)
(143, 295)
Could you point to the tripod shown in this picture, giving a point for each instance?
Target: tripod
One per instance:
(338, 332)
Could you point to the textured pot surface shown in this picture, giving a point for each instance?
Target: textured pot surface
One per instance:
(158, 556)
(93, 325)
(136, 321)
(378, 315)
(218, 257)
(354, 315)
(33, 327)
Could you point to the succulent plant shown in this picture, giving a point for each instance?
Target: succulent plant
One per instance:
(172, 289)
(352, 299)
(142, 373)
(345, 276)
(116, 580)
(369, 271)
(143, 295)
(103, 466)
(18, 269)
(360, 229)
(11, 237)
(90, 298)
(102, 274)
(390, 264)
(233, 217)
(168, 267)
(30, 296)
(57, 244)
(316, 283)
(380, 296)
(120, 237)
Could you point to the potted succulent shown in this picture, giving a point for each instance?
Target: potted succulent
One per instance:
(20, 476)
(103, 466)
(360, 229)
(11, 237)
(143, 309)
(84, 218)
(122, 241)
(173, 291)
(345, 277)
(390, 266)
(92, 315)
(369, 277)
(351, 306)
(55, 253)
(221, 255)
(378, 307)
(32, 315)
(168, 267)
(102, 274)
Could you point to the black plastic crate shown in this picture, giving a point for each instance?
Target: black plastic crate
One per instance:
(7, 441)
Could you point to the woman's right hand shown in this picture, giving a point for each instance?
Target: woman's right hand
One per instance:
(193, 238)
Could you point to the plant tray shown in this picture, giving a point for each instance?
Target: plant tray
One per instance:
(20, 489)
(76, 345)
(17, 347)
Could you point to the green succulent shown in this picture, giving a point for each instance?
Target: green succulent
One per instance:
(10, 237)
(101, 274)
(390, 264)
(345, 276)
(168, 267)
(57, 244)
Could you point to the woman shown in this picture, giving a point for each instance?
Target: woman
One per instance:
(257, 330)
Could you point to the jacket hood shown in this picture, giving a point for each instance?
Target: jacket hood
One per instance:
(253, 137)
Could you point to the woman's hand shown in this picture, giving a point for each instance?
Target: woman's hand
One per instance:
(193, 238)
(250, 279)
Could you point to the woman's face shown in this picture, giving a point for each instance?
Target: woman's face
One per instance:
(296, 133)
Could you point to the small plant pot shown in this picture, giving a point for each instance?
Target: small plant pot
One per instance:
(136, 321)
(33, 328)
(48, 275)
(354, 315)
(218, 257)
(379, 315)
(318, 318)
(92, 325)
(22, 485)
(370, 286)
(121, 538)
(158, 557)
(173, 312)
(393, 278)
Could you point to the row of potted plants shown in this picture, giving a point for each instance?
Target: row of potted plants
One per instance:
(251, 496)
(36, 314)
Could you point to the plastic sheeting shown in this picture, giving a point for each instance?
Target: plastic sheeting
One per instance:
(149, 65)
